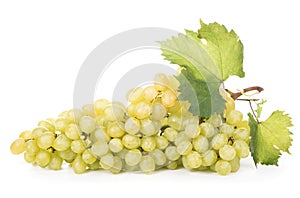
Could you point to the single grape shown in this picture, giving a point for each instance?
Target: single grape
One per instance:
(148, 144)
(194, 159)
(219, 141)
(115, 129)
(77, 146)
(107, 161)
(45, 140)
(235, 164)
(159, 157)
(150, 93)
(99, 148)
(168, 98)
(115, 145)
(61, 124)
(161, 142)
(78, 165)
(234, 117)
(201, 144)
(158, 111)
(47, 125)
(131, 141)
(55, 162)
(209, 158)
(227, 152)
(207, 130)
(87, 124)
(88, 158)
(61, 143)
(241, 133)
(117, 166)
(133, 157)
(67, 155)
(184, 147)
(142, 110)
(88, 110)
(72, 132)
(223, 167)
(132, 125)
(17, 146)
(43, 158)
(171, 153)
(26, 135)
(135, 95)
(242, 148)
(147, 127)
(147, 164)
(170, 134)
(192, 130)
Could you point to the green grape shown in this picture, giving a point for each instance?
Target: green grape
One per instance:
(47, 125)
(45, 140)
(117, 166)
(215, 120)
(158, 111)
(184, 147)
(227, 152)
(74, 115)
(159, 157)
(147, 127)
(192, 130)
(18, 146)
(235, 164)
(31, 147)
(242, 148)
(77, 146)
(142, 110)
(148, 144)
(209, 158)
(207, 130)
(170, 134)
(133, 157)
(185, 162)
(72, 132)
(99, 148)
(26, 135)
(172, 165)
(219, 141)
(107, 161)
(61, 124)
(122, 153)
(223, 167)
(147, 164)
(131, 109)
(241, 134)
(88, 110)
(87, 124)
(78, 165)
(135, 95)
(115, 130)
(115, 112)
(29, 157)
(87, 157)
(43, 158)
(131, 141)
(132, 126)
(171, 153)
(67, 155)
(201, 144)
(115, 145)
(100, 105)
(161, 82)
(61, 143)
(161, 142)
(194, 159)
(99, 135)
(181, 137)
(173, 83)
(55, 162)
(38, 131)
(168, 98)
(150, 93)
(234, 117)
(175, 122)
(227, 129)
(94, 166)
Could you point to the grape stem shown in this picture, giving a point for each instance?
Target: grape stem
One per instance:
(236, 95)
(253, 112)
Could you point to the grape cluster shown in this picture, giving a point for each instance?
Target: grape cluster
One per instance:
(155, 130)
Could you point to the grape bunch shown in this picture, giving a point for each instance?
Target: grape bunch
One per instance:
(154, 131)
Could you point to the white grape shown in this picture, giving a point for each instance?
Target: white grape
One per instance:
(147, 164)
(201, 144)
(133, 157)
(227, 152)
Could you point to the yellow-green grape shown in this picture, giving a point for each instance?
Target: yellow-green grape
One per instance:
(100, 105)
(122, 153)
(241, 134)
(115, 111)
(147, 127)
(148, 144)
(131, 109)
(170, 134)
(55, 162)
(235, 164)
(78, 165)
(131, 141)
(99, 148)
(87, 157)
(45, 140)
(114, 130)
(159, 157)
(74, 115)
(88, 110)
(150, 93)
(26, 135)
(142, 110)
(181, 137)
(117, 166)
(61, 143)
(72, 132)
(201, 144)
(147, 164)
(184, 147)
(38, 131)
(241, 148)
(43, 158)
(133, 157)
(185, 163)
(194, 159)
(223, 167)
(77, 146)
(161, 82)
(46, 124)
(234, 117)
(158, 111)
(29, 157)
(161, 142)
(209, 158)
(99, 135)
(171, 153)
(107, 161)
(94, 166)
(31, 147)
(219, 141)
(135, 95)
(192, 130)
(67, 155)
(115, 145)
(51, 120)
(175, 122)
(168, 98)
(173, 83)
(132, 126)
(172, 165)
(87, 124)
(17, 146)
(215, 120)
(207, 130)
(227, 129)
(61, 124)
(227, 152)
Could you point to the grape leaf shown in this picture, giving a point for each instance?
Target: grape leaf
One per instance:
(270, 138)
(206, 65)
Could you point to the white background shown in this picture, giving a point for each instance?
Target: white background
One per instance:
(42, 46)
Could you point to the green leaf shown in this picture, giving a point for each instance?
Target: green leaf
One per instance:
(206, 64)
(259, 108)
(270, 138)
